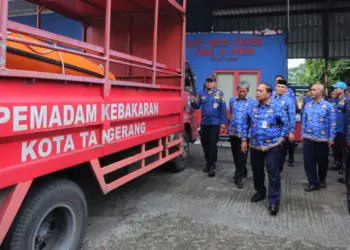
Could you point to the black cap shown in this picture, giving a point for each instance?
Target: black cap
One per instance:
(283, 82)
(211, 79)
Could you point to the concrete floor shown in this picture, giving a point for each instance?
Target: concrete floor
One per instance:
(191, 211)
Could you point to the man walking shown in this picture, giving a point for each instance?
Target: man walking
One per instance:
(318, 133)
(268, 125)
(238, 109)
(214, 116)
(288, 106)
(340, 110)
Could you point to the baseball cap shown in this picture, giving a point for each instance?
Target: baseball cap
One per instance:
(211, 78)
(340, 85)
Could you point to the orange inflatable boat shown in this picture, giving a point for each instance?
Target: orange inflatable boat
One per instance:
(27, 57)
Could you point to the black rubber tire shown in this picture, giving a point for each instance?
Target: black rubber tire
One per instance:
(38, 202)
(180, 163)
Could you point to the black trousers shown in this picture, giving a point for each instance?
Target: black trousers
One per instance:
(284, 149)
(209, 141)
(272, 157)
(338, 147)
(315, 155)
(239, 157)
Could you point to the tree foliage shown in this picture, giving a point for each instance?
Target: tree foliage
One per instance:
(313, 71)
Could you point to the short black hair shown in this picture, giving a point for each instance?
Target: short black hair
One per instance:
(268, 87)
(279, 76)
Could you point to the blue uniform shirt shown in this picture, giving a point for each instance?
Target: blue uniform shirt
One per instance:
(348, 124)
(268, 126)
(341, 110)
(238, 109)
(305, 101)
(319, 121)
(287, 106)
(213, 107)
(290, 94)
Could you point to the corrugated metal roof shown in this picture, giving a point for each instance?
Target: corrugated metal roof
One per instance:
(280, 8)
(22, 8)
(305, 37)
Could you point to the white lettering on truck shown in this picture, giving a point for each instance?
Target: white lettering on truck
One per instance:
(42, 117)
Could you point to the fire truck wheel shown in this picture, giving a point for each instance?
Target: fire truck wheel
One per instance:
(180, 163)
(53, 216)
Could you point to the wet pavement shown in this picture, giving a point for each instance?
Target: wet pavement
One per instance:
(188, 210)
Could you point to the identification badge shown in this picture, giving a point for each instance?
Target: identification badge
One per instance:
(216, 105)
(264, 124)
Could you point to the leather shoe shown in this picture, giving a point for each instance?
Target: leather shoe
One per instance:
(211, 172)
(341, 180)
(258, 197)
(205, 169)
(239, 183)
(311, 188)
(274, 209)
(323, 184)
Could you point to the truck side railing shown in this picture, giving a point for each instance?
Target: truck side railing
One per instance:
(90, 51)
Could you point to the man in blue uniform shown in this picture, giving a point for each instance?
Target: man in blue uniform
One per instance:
(214, 116)
(268, 125)
(288, 106)
(341, 110)
(290, 147)
(290, 91)
(238, 109)
(318, 133)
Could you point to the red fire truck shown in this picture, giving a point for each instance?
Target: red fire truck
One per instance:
(114, 104)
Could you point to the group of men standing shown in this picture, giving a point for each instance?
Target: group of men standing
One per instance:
(266, 125)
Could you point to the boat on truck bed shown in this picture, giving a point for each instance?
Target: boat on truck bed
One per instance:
(112, 104)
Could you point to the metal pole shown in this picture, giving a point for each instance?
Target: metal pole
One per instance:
(288, 14)
(38, 16)
(155, 41)
(3, 33)
(107, 87)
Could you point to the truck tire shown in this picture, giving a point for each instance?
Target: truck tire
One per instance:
(53, 216)
(180, 163)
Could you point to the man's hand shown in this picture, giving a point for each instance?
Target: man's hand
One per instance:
(330, 143)
(244, 146)
(291, 137)
(193, 99)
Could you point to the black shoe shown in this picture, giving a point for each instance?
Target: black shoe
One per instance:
(211, 172)
(341, 180)
(291, 159)
(341, 171)
(323, 184)
(274, 209)
(205, 169)
(239, 183)
(257, 197)
(336, 167)
(245, 175)
(311, 188)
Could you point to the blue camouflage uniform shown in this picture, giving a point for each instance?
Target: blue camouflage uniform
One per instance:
(287, 106)
(268, 127)
(318, 127)
(238, 109)
(214, 114)
(305, 101)
(290, 94)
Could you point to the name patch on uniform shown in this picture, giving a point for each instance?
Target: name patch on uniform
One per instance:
(264, 124)
(216, 105)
